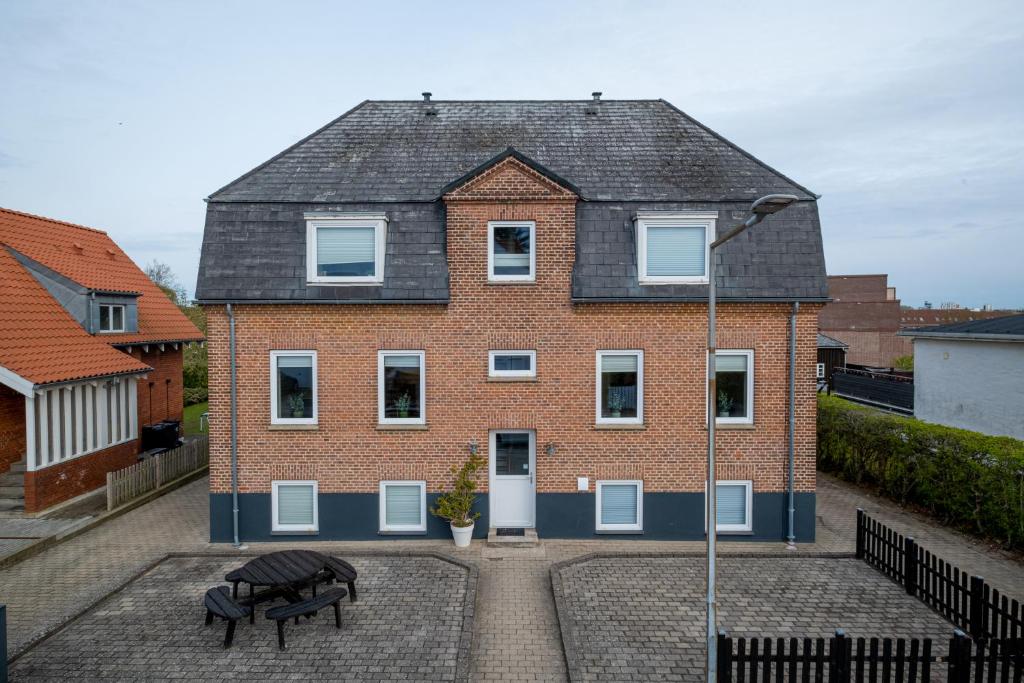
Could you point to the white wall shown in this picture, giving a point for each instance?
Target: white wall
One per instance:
(970, 384)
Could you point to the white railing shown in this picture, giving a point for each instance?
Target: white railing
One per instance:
(153, 472)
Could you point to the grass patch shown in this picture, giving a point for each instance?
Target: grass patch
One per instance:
(190, 422)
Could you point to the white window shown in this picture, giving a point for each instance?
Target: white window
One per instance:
(345, 248)
(620, 387)
(734, 379)
(401, 387)
(620, 505)
(111, 318)
(673, 248)
(512, 363)
(293, 398)
(734, 501)
(511, 251)
(294, 506)
(820, 371)
(403, 506)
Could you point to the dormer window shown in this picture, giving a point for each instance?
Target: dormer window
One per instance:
(345, 248)
(511, 255)
(111, 318)
(673, 248)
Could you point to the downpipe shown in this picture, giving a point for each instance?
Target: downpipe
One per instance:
(791, 536)
(234, 425)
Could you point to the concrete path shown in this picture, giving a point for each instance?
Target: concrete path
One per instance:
(516, 634)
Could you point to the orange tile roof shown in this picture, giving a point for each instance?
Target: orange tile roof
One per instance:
(41, 342)
(92, 259)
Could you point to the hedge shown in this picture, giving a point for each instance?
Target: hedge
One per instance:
(966, 479)
(194, 395)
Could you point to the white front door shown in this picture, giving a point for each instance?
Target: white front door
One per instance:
(512, 463)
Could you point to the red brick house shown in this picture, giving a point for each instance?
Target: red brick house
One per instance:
(528, 280)
(90, 350)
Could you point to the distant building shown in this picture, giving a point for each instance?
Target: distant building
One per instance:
(911, 318)
(831, 355)
(971, 375)
(864, 314)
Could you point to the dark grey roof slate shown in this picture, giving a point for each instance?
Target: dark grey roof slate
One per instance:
(391, 151)
(827, 342)
(1007, 326)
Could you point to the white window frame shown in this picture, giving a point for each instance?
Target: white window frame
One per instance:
(382, 508)
(623, 528)
(299, 528)
(110, 317)
(381, 419)
(639, 419)
(492, 372)
(377, 221)
(491, 277)
(749, 419)
(819, 371)
(741, 528)
(697, 219)
(274, 419)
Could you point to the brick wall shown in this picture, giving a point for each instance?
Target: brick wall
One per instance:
(12, 427)
(57, 483)
(349, 453)
(160, 394)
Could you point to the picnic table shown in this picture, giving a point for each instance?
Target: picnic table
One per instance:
(284, 573)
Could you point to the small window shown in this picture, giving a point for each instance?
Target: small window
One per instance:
(734, 501)
(620, 506)
(820, 371)
(734, 378)
(510, 252)
(403, 506)
(620, 387)
(294, 506)
(401, 387)
(345, 249)
(673, 248)
(512, 363)
(293, 397)
(111, 318)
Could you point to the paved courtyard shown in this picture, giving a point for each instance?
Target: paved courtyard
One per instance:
(642, 618)
(407, 624)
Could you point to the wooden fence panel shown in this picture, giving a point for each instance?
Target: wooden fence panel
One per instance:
(150, 474)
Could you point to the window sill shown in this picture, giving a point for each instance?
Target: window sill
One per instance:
(339, 283)
(619, 532)
(621, 427)
(725, 426)
(511, 379)
(292, 428)
(384, 532)
(502, 283)
(402, 428)
(313, 532)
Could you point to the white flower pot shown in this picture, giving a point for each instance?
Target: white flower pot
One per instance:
(462, 535)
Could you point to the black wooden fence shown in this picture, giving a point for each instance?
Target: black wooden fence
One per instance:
(888, 391)
(966, 601)
(844, 660)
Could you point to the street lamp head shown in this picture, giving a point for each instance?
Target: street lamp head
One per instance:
(771, 203)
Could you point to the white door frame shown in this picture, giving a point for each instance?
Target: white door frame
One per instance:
(531, 478)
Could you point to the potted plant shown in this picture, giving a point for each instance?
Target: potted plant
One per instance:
(725, 404)
(403, 404)
(457, 505)
(297, 405)
(616, 402)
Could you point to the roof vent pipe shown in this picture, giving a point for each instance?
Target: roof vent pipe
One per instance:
(597, 95)
(426, 96)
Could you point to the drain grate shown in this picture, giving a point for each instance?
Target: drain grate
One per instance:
(511, 532)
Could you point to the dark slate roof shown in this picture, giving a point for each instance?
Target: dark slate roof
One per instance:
(827, 342)
(1007, 328)
(633, 150)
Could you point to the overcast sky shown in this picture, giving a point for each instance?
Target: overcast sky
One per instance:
(907, 117)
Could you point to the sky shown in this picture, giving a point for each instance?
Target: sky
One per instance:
(907, 117)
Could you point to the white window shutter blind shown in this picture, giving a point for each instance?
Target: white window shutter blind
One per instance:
(732, 504)
(401, 361)
(731, 363)
(345, 245)
(619, 363)
(294, 361)
(402, 505)
(676, 251)
(618, 504)
(295, 504)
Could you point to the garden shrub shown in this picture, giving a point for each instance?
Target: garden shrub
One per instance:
(194, 395)
(965, 479)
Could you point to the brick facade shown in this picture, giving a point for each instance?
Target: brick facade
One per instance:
(64, 481)
(348, 452)
(12, 427)
(161, 393)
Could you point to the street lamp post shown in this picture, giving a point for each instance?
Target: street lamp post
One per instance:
(764, 206)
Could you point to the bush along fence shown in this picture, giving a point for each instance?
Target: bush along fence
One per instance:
(963, 478)
(150, 474)
(844, 660)
(966, 601)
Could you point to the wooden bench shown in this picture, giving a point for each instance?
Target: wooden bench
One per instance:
(218, 602)
(306, 608)
(341, 571)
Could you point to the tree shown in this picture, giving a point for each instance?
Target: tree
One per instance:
(164, 278)
(194, 357)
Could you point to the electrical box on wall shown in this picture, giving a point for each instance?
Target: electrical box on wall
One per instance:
(582, 483)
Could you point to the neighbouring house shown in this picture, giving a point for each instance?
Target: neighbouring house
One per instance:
(914, 318)
(831, 355)
(971, 375)
(865, 315)
(417, 281)
(90, 349)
